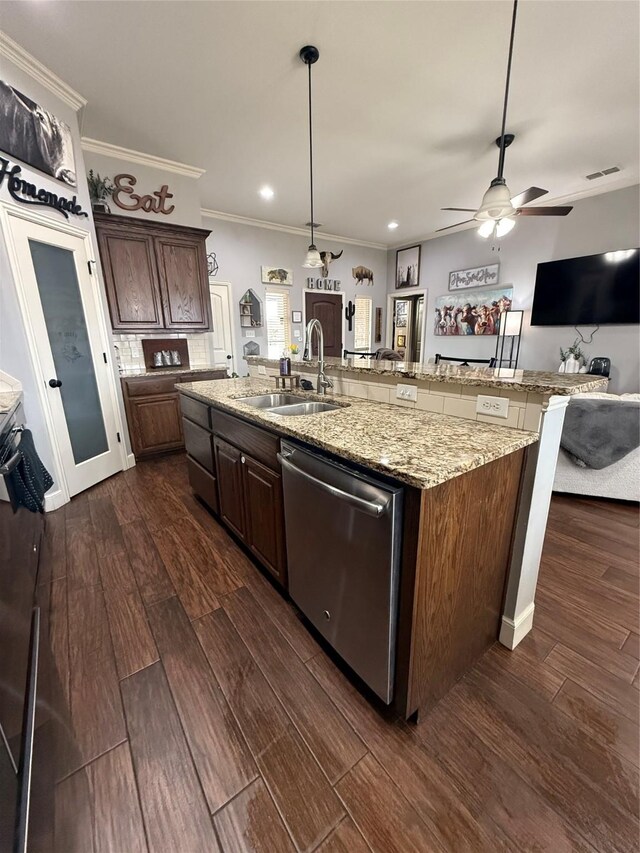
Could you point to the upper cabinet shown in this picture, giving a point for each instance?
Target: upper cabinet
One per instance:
(155, 275)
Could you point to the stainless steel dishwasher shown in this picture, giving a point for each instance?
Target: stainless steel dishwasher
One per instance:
(343, 551)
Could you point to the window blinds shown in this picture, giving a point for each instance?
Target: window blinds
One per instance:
(362, 337)
(278, 322)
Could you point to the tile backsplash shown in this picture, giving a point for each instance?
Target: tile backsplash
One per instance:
(129, 354)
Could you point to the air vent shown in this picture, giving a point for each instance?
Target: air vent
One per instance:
(610, 171)
(315, 224)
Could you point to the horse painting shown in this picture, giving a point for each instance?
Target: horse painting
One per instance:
(35, 136)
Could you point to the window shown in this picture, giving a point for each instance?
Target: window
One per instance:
(362, 338)
(278, 322)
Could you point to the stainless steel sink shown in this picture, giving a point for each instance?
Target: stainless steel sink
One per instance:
(268, 401)
(308, 408)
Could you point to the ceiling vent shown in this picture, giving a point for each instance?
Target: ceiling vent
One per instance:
(610, 171)
(315, 225)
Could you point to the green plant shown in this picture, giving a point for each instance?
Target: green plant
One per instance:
(573, 350)
(99, 188)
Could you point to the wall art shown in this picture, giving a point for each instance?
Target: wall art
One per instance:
(276, 275)
(126, 199)
(296, 316)
(27, 193)
(474, 277)
(408, 267)
(35, 136)
(326, 258)
(362, 274)
(378, 328)
(477, 313)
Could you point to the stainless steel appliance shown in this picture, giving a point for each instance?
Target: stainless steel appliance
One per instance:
(343, 550)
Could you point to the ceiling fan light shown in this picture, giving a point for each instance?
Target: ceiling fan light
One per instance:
(503, 226)
(496, 203)
(313, 261)
(487, 228)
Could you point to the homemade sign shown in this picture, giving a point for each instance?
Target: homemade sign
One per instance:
(28, 193)
(125, 198)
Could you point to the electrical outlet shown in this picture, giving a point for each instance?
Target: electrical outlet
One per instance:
(498, 407)
(407, 392)
(262, 370)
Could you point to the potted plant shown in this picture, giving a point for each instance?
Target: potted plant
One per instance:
(295, 352)
(99, 191)
(572, 359)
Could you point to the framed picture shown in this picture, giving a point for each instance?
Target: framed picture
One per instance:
(401, 340)
(296, 316)
(474, 277)
(408, 267)
(378, 333)
(477, 313)
(401, 314)
(276, 275)
(35, 136)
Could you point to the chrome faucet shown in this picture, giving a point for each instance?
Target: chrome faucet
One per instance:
(323, 381)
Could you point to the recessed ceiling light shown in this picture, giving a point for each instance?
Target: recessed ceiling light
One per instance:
(267, 193)
(392, 226)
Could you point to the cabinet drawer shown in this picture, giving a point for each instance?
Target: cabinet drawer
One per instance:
(198, 442)
(195, 410)
(203, 484)
(146, 387)
(259, 443)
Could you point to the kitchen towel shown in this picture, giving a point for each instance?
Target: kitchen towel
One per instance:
(30, 479)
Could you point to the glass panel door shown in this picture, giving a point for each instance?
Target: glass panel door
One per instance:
(66, 325)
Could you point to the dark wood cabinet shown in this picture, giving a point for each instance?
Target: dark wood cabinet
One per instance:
(229, 462)
(154, 415)
(155, 274)
(264, 515)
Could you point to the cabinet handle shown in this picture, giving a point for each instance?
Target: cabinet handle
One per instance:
(242, 459)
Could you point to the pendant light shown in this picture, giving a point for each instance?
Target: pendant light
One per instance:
(309, 55)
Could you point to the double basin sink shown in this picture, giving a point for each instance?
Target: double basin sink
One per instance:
(287, 404)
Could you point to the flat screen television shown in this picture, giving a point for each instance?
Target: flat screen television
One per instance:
(593, 290)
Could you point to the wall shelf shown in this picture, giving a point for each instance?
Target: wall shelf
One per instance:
(250, 311)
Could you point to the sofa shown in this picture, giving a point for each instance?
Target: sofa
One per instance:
(621, 480)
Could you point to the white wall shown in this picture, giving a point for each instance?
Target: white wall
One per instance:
(241, 251)
(598, 224)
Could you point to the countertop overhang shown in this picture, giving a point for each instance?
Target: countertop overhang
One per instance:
(529, 381)
(418, 448)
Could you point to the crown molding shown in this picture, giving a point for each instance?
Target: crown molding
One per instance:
(12, 51)
(287, 229)
(95, 146)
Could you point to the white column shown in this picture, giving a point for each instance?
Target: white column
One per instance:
(531, 524)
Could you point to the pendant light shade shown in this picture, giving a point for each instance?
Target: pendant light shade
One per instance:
(496, 203)
(309, 55)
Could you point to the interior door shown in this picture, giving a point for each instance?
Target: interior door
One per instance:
(62, 305)
(221, 338)
(326, 307)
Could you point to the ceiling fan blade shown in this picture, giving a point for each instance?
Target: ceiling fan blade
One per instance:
(446, 228)
(461, 209)
(527, 196)
(544, 211)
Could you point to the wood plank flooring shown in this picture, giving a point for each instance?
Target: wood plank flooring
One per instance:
(210, 719)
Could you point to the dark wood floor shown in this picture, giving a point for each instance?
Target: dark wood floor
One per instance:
(210, 719)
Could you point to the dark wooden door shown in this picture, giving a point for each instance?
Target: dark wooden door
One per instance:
(230, 486)
(184, 283)
(131, 279)
(155, 424)
(265, 516)
(326, 307)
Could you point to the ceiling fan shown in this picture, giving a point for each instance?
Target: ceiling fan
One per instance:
(498, 209)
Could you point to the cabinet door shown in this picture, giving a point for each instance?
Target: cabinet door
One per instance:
(184, 283)
(155, 424)
(131, 279)
(264, 514)
(230, 486)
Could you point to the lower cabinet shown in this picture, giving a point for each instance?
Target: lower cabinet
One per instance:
(250, 503)
(155, 424)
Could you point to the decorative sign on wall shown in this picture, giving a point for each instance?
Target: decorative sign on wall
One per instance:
(378, 332)
(35, 136)
(127, 199)
(28, 193)
(475, 313)
(474, 277)
(276, 275)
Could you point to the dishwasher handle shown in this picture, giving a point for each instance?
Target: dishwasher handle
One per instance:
(368, 507)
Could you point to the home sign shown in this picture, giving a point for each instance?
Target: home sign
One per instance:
(127, 199)
(27, 193)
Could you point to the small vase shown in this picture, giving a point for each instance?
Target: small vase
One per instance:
(100, 206)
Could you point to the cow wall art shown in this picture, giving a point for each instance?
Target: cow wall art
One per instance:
(34, 136)
(475, 313)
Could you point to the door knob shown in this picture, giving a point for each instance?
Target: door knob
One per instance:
(55, 383)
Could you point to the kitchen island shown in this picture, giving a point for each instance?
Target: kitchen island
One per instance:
(460, 485)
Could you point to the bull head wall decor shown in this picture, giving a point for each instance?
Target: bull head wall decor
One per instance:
(326, 258)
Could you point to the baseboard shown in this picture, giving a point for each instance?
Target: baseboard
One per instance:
(513, 632)
(131, 461)
(55, 500)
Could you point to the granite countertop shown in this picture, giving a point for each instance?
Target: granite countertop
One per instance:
(418, 448)
(531, 381)
(8, 400)
(162, 371)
